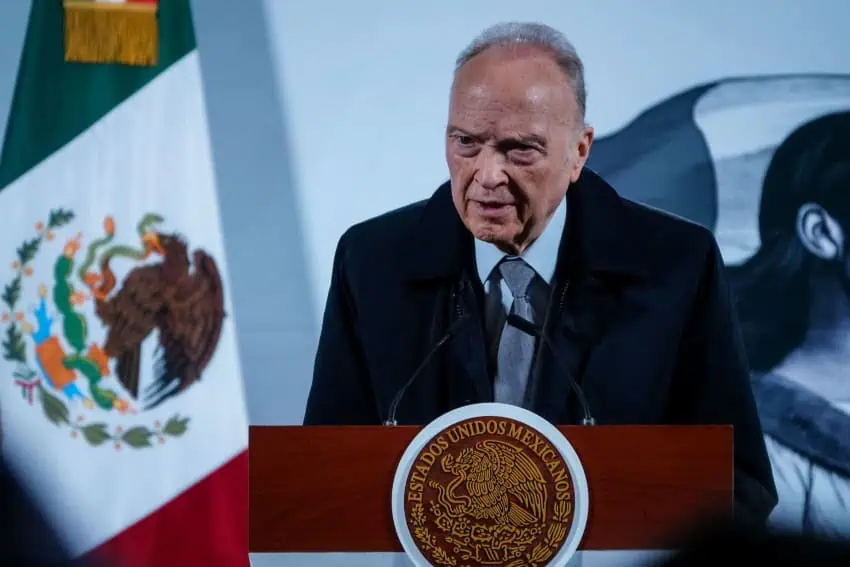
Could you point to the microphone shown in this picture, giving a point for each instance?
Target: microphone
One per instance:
(534, 330)
(391, 421)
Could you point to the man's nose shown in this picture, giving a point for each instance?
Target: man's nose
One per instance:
(490, 169)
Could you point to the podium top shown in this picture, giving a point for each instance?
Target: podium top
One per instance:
(328, 488)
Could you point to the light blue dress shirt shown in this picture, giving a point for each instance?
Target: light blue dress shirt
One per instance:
(542, 255)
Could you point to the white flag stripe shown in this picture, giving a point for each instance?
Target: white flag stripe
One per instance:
(150, 154)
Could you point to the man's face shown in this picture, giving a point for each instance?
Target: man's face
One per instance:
(514, 144)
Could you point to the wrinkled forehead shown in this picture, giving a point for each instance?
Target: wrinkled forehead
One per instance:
(512, 93)
(526, 98)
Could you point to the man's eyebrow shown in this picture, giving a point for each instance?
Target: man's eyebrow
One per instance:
(526, 139)
(532, 139)
(458, 130)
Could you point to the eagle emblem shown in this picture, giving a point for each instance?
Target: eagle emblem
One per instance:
(489, 492)
(501, 483)
(77, 341)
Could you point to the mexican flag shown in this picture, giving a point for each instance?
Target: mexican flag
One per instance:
(120, 389)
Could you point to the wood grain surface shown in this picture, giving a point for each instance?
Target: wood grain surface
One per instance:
(328, 489)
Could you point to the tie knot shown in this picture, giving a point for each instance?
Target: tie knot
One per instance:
(517, 275)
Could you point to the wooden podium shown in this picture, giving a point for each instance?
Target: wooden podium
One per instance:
(328, 489)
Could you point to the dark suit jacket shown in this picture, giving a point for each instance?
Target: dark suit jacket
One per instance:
(640, 315)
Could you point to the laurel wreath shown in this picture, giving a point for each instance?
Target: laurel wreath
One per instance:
(555, 535)
(542, 552)
(427, 540)
(15, 351)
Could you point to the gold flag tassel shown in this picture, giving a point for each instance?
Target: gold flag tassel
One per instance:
(106, 32)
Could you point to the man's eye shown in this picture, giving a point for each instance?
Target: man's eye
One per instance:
(465, 140)
(522, 153)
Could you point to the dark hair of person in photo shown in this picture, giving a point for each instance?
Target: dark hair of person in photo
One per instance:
(801, 271)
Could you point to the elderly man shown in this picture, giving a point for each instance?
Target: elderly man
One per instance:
(527, 274)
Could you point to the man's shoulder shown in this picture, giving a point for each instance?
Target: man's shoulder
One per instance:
(665, 237)
(391, 223)
(379, 239)
(385, 228)
(664, 224)
(656, 238)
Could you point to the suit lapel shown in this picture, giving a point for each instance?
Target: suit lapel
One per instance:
(439, 250)
(580, 322)
(594, 262)
(556, 360)
(468, 349)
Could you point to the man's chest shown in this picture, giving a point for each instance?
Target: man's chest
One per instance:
(621, 346)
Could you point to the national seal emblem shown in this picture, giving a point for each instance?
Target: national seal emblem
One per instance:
(490, 484)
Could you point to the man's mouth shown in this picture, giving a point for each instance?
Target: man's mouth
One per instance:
(493, 208)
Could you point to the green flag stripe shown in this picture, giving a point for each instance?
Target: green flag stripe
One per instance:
(55, 101)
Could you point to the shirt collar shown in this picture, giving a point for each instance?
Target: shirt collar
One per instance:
(542, 255)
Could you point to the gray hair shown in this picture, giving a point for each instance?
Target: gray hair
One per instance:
(517, 33)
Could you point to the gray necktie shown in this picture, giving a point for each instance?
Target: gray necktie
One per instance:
(516, 348)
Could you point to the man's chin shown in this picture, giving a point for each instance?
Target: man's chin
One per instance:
(496, 233)
(496, 238)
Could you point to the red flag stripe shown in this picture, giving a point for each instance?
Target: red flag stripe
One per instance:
(205, 526)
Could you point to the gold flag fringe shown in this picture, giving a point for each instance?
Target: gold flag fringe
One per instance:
(98, 32)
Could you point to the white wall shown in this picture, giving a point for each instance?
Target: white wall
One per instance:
(365, 84)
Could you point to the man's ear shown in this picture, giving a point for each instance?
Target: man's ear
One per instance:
(585, 140)
(819, 232)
